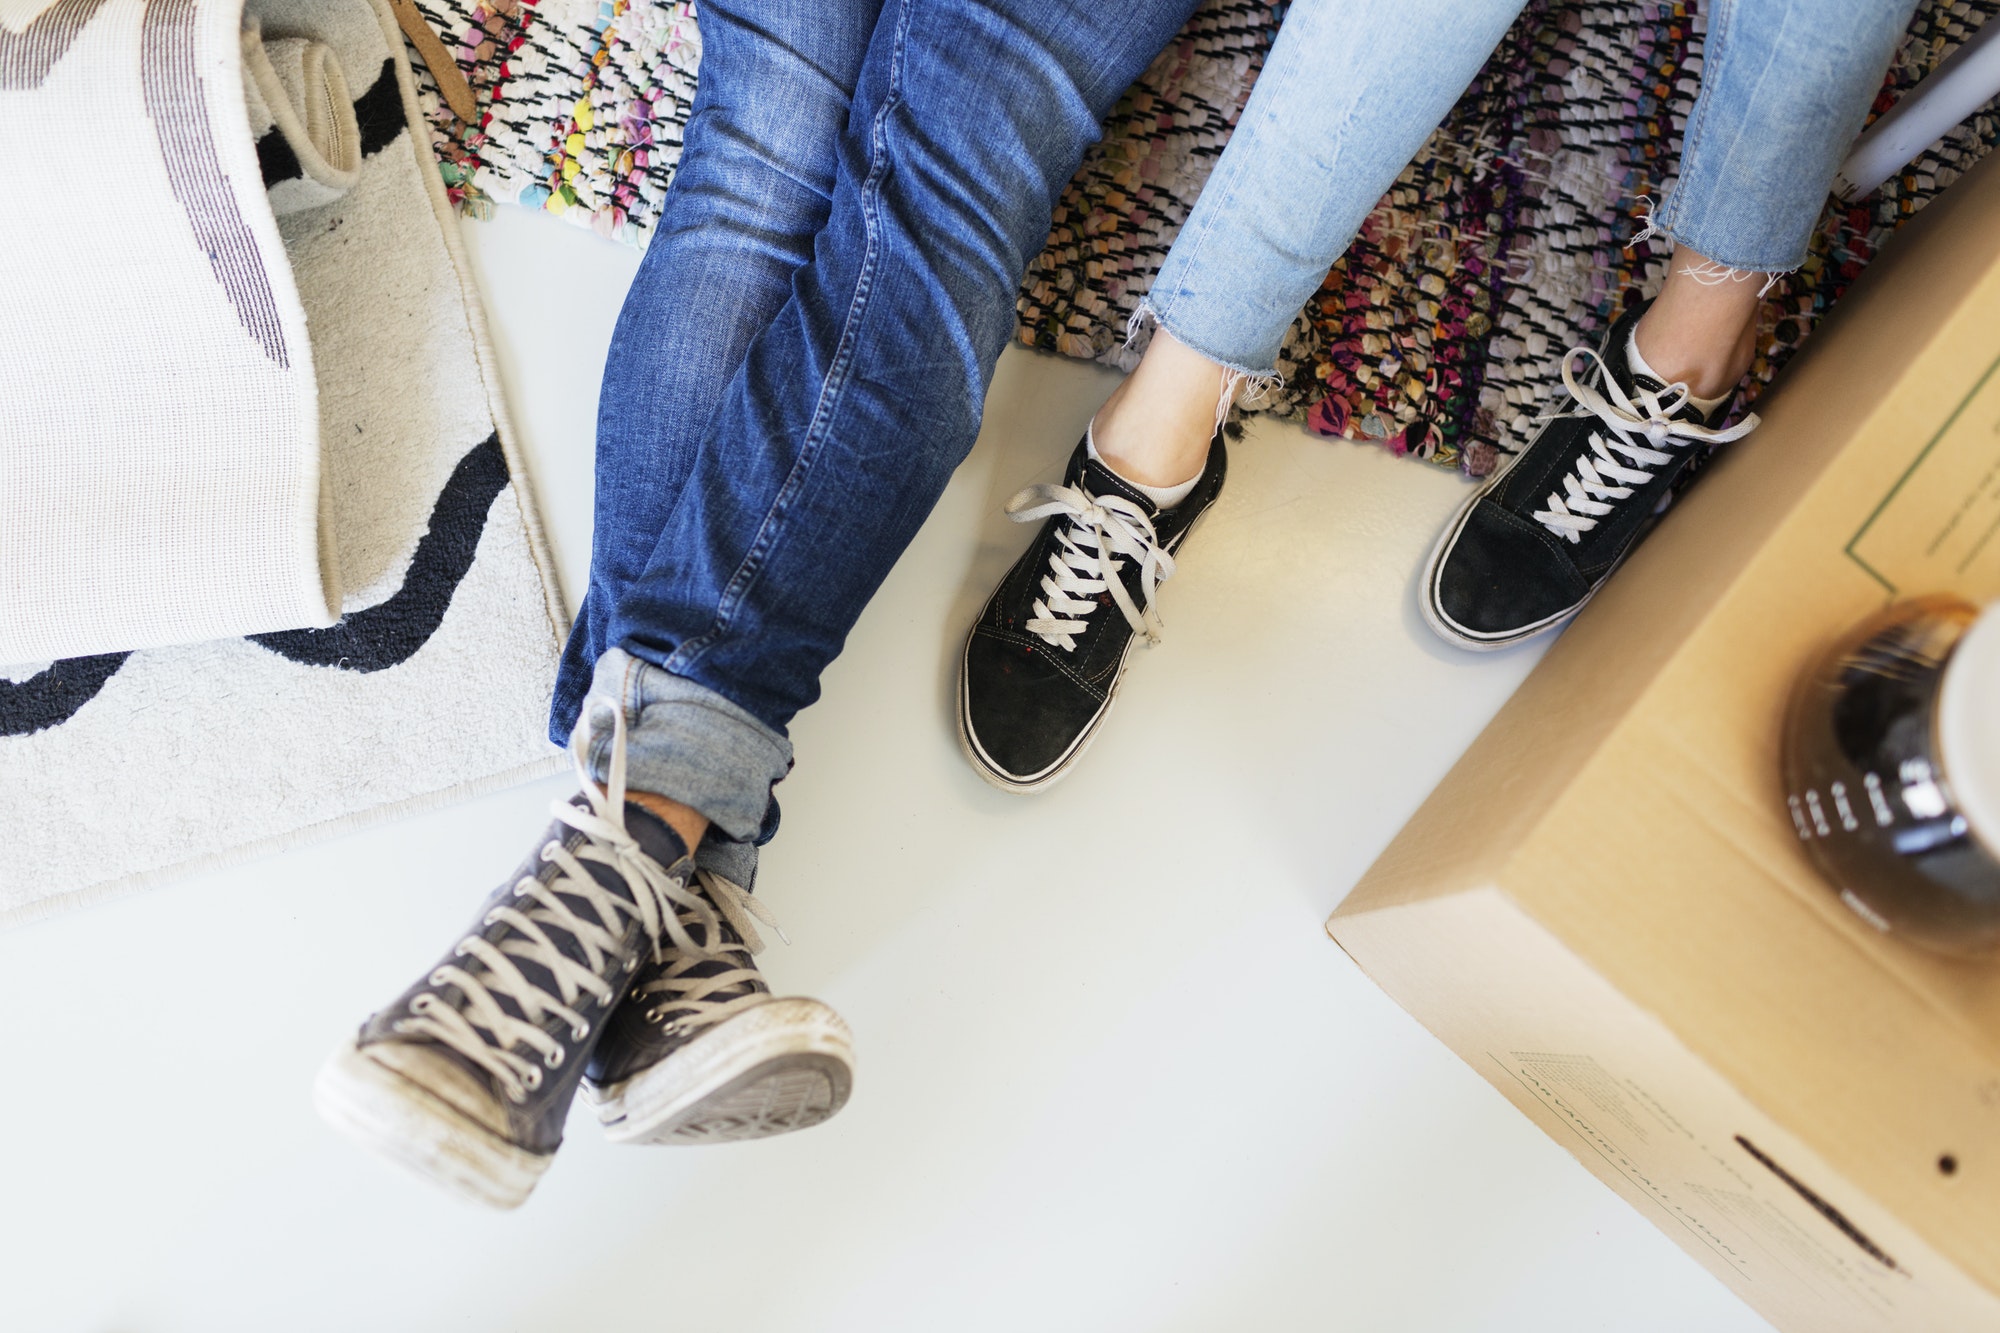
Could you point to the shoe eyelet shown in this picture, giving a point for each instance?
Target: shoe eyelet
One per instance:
(656, 1016)
(554, 1059)
(531, 1081)
(438, 978)
(580, 1032)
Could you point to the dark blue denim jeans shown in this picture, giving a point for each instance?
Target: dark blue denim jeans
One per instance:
(804, 356)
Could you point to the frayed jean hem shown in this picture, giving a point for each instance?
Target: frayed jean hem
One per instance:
(1238, 380)
(1658, 225)
(1148, 312)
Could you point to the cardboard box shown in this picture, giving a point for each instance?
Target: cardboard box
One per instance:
(1605, 908)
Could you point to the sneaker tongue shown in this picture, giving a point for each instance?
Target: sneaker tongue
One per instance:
(1632, 380)
(655, 838)
(1101, 480)
(653, 835)
(1687, 411)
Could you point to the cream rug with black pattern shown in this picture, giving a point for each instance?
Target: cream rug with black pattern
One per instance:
(267, 565)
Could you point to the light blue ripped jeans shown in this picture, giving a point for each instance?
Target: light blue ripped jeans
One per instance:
(1353, 88)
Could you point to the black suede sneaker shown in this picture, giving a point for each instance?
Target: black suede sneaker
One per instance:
(468, 1077)
(1043, 662)
(702, 1052)
(1529, 549)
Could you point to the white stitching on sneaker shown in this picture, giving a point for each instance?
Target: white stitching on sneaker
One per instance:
(1593, 483)
(485, 1033)
(1098, 530)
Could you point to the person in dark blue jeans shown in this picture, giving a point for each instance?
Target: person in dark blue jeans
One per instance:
(800, 365)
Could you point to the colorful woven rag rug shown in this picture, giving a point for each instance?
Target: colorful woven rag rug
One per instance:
(1437, 334)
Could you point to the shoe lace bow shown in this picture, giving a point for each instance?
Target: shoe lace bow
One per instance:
(516, 1048)
(1638, 431)
(1097, 535)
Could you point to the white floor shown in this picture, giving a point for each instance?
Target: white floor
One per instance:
(1114, 1075)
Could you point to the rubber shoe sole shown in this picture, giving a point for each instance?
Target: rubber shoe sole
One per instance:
(782, 1066)
(387, 1113)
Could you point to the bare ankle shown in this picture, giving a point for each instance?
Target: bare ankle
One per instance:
(1155, 428)
(1701, 330)
(1709, 369)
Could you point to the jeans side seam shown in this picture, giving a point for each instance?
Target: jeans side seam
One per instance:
(740, 583)
(1160, 307)
(1205, 230)
(1714, 53)
(1162, 310)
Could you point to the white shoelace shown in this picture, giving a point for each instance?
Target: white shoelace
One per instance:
(1096, 533)
(689, 996)
(516, 1051)
(1639, 429)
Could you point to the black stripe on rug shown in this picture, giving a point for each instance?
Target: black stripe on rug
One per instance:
(53, 696)
(390, 633)
(378, 116)
(378, 113)
(276, 161)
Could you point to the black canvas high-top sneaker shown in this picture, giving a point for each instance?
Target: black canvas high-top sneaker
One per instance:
(468, 1077)
(1529, 549)
(702, 1052)
(1042, 664)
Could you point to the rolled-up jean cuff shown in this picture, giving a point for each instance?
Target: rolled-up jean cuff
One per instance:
(689, 744)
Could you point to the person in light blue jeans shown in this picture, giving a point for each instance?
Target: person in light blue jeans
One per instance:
(1350, 92)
